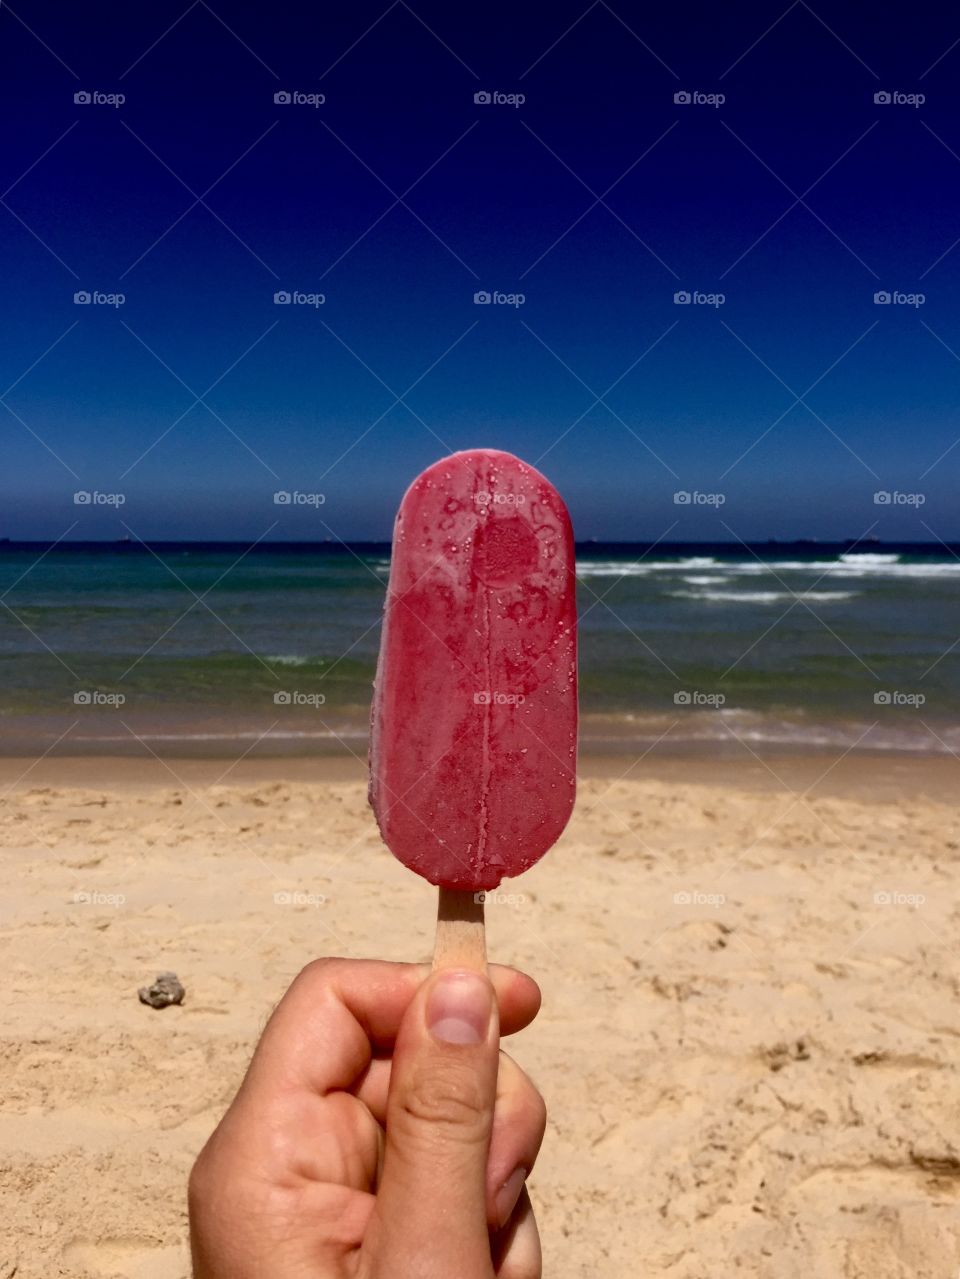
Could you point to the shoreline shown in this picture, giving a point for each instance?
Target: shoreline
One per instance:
(728, 734)
(867, 777)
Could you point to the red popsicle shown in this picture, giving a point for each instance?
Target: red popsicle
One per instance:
(474, 719)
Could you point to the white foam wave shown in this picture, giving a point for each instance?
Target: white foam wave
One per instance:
(876, 567)
(639, 568)
(764, 597)
(845, 568)
(869, 557)
(733, 726)
(240, 735)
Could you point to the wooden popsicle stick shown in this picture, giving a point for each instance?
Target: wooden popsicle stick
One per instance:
(461, 940)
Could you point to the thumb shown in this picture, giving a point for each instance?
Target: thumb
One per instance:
(431, 1203)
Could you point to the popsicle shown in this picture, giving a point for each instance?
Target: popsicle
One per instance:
(474, 719)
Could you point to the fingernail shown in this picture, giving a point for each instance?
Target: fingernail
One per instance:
(459, 1008)
(508, 1194)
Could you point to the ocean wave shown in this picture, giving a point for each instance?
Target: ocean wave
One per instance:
(869, 557)
(875, 567)
(764, 597)
(846, 568)
(288, 660)
(735, 726)
(239, 735)
(639, 568)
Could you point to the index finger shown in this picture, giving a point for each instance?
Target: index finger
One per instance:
(338, 1012)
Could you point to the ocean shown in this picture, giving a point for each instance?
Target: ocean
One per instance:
(220, 650)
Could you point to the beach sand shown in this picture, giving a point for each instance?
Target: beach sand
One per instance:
(749, 1045)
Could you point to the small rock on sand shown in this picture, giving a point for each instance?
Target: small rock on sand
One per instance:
(165, 990)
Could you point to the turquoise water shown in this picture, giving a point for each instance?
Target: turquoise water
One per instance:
(186, 649)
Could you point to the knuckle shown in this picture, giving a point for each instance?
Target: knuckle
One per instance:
(448, 1100)
(319, 970)
(521, 1104)
(538, 1112)
(200, 1182)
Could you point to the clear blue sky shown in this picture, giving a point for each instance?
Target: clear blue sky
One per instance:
(498, 197)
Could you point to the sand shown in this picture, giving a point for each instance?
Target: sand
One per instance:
(749, 1046)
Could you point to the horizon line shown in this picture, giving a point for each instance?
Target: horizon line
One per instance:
(328, 543)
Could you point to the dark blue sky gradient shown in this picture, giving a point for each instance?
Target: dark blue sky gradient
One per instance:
(301, 388)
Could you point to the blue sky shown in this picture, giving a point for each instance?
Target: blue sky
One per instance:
(597, 199)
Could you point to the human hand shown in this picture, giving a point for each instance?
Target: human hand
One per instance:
(379, 1134)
